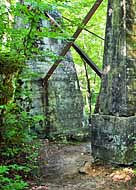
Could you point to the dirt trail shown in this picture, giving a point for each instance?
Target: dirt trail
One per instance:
(100, 181)
(70, 167)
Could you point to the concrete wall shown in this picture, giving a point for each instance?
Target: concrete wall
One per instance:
(113, 128)
(62, 103)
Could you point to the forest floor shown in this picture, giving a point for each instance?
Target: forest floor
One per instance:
(82, 176)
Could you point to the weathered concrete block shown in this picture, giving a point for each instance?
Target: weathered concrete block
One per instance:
(114, 138)
(113, 132)
(62, 103)
(117, 95)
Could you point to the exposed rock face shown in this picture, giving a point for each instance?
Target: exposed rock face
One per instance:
(113, 130)
(63, 102)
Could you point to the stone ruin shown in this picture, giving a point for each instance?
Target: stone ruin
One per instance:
(62, 103)
(114, 126)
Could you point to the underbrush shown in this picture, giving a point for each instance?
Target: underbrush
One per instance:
(19, 166)
(18, 148)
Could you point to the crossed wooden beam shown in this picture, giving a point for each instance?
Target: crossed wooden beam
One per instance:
(71, 43)
(84, 28)
(82, 54)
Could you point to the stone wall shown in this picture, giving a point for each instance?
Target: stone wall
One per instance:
(114, 138)
(119, 84)
(62, 103)
(131, 55)
(113, 128)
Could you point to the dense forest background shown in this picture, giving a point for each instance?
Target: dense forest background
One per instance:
(20, 31)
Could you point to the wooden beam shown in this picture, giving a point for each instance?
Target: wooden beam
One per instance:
(87, 59)
(53, 21)
(82, 54)
(74, 37)
(56, 24)
(85, 29)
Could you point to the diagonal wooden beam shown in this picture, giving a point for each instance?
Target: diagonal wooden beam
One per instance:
(56, 24)
(87, 60)
(53, 21)
(74, 37)
(84, 28)
(82, 54)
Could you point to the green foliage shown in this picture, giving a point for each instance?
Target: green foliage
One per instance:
(18, 35)
(16, 124)
(16, 118)
(18, 146)
(15, 131)
(21, 31)
(19, 162)
(14, 181)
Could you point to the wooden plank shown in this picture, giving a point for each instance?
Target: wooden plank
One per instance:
(56, 24)
(74, 37)
(82, 54)
(87, 60)
(84, 28)
(53, 21)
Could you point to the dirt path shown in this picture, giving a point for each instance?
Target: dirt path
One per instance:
(70, 167)
(102, 181)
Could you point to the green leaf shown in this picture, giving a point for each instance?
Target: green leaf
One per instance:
(4, 169)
